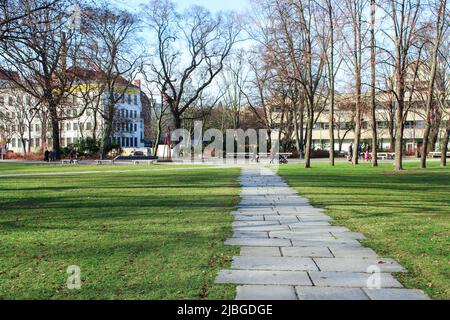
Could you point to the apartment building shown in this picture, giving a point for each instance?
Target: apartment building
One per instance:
(24, 127)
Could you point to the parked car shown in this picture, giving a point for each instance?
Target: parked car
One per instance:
(136, 154)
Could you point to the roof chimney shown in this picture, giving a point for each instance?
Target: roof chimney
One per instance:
(137, 83)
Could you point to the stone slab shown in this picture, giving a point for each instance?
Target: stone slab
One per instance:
(352, 252)
(323, 236)
(330, 293)
(273, 263)
(272, 227)
(351, 279)
(300, 227)
(261, 251)
(295, 278)
(396, 294)
(326, 243)
(265, 292)
(282, 218)
(254, 223)
(245, 234)
(248, 218)
(314, 252)
(358, 264)
(253, 242)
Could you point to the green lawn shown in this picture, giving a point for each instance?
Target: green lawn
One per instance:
(26, 168)
(404, 215)
(154, 234)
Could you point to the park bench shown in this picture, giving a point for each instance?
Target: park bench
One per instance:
(100, 162)
(66, 161)
(386, 155)
(148, 162)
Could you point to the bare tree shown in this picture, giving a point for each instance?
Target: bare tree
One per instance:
(355, 11)
(196, 37)
(15, 13)
(440, 27)
(373, 103)
(110, 54)
(40, 58)
(404, 16)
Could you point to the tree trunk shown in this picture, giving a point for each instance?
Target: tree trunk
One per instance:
(29, 138)
(297, 136)
(301, 132)
(432, 79)
(176, 120)
(357, 132)
(426, 138)
(310, 120)
(399, 136)
(24, 146)
(331, 72)
(372, 65)
(358, 64)
(56, 146)
(444, 148)
(106, 139)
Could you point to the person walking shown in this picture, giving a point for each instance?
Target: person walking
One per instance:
(72, 155)
(367, 153)
(46, 155)
(350, 152)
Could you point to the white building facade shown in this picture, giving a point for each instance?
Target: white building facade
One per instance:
(27, 129)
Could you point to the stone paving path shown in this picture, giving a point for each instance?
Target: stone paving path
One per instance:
(290, 251)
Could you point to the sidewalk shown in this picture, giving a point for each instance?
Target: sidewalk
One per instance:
(290, 251)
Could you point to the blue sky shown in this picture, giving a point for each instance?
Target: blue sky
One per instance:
(212, 5)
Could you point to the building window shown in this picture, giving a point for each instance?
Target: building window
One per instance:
(37, 128)
(38, 142)
(123, 142)
(13, 142)
(135, 127)
(135, 100)
(10, 101)
(135, 114)
(129, 99)
(88, 126)
(75, 126)
(2, 100)
(68, 126)
(126, 113)
(135, 142)
(420, 124)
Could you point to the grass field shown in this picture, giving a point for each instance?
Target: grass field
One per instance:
(25, 168)
(153, 234)
(404, 215)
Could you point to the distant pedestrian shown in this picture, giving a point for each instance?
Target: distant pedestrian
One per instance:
(350, 152)
(367, 154)
(46, 155)
(72, 156)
